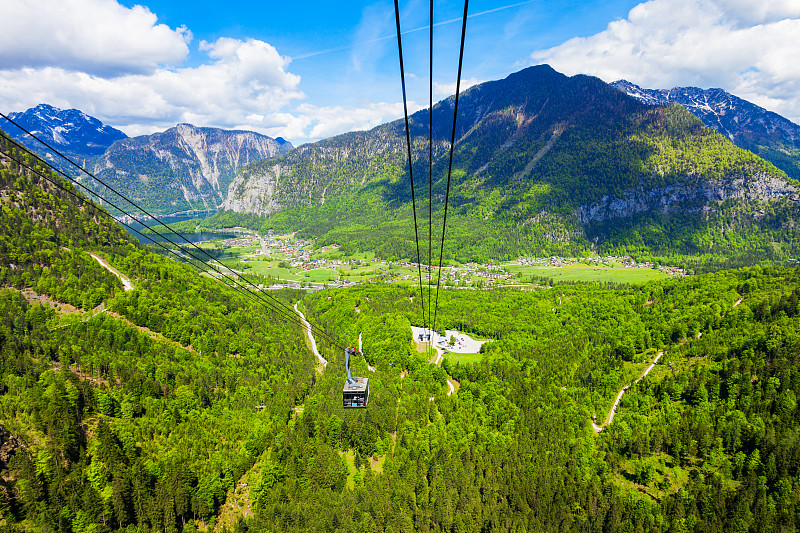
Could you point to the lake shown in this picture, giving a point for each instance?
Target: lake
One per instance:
(191, 237)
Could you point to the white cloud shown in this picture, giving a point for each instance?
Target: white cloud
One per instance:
(328, 121)
(443, 90)
(748, 48)
(120, 65)
(100, 37)
(245, 78)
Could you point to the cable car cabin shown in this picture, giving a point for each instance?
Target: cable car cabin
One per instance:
(356, 390)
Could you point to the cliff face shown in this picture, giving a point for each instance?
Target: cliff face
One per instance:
(697, 196)
(185, 167)
(255, 192)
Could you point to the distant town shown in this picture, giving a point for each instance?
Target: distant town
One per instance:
(291, 262)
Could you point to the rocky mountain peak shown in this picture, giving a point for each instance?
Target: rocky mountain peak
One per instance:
(186, 167)
(70, 130)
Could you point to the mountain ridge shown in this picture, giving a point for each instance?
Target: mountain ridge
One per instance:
(536, 146)
(747, 125)
(69, 130)
(190, 166)
(185, 167)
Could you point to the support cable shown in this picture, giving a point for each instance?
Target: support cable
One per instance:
(280, 304)
(429, 326)
(408, 144)
(450, 165)
(280, 310)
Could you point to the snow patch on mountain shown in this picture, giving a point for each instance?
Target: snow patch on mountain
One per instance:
(72, 130)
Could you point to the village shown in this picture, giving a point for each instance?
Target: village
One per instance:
(291, 262)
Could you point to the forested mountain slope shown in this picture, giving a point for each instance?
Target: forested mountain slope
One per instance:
(145, 410)
(749, 126)
(123, 408)
(543, 163)
(705, 443)
(183, 168)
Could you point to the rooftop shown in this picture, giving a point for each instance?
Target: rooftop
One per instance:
(358, 384)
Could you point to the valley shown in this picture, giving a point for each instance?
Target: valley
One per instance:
(620, 286)
(290, 262)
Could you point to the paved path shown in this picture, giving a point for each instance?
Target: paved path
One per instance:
(613, 411)
(126, 283)
(321, 359)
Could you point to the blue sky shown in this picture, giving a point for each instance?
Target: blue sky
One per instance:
(308, 70)
(348, 56)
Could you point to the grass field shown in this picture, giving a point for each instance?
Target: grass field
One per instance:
(466, 358)
(615, 272)
(335, 253)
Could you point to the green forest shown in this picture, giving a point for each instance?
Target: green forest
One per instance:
(186, 405)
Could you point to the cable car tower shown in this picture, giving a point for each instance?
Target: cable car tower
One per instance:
(356, 390)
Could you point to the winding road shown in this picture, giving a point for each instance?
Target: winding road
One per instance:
(613, 411)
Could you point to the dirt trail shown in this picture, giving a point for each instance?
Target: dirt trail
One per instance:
(126, 283)
(613, 411)
(370, 367)
(311, 339)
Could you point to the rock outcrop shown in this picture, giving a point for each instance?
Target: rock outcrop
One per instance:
(8, 447)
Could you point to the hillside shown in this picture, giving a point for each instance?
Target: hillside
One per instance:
(123, 407)
(180, 405)
(543, 164)
(749, 126)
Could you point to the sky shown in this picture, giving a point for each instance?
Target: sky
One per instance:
(308, 70)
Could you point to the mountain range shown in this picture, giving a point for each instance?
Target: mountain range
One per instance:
(747, 125)
(183, 168)
(543, 163)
